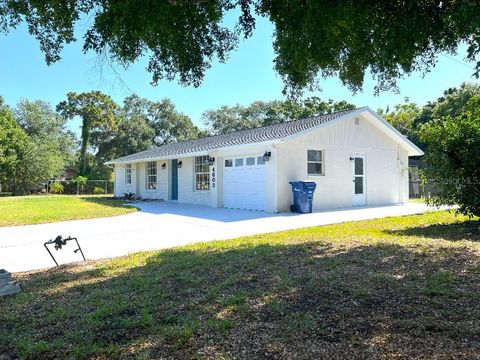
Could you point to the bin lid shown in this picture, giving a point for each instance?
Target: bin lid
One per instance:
(309, 183)
(295, 182)
(299, 185)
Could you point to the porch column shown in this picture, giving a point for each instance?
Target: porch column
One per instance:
(216, 194)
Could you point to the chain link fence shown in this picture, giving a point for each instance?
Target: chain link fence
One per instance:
(419, 188)
(91, 187)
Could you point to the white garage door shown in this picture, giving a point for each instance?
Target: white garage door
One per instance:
(244, 183)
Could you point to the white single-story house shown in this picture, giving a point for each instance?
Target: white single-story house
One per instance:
(355, 157)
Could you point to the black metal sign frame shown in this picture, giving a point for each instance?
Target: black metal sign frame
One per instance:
(59, 242)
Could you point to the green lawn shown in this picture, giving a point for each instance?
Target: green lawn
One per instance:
(26, 210)
(404, 287)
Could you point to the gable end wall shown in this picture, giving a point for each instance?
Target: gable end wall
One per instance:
(384, 164)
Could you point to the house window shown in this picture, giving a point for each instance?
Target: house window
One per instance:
(315, 162)
(238, 162)
(151, 175)
(250, 161)
(202, 173)
(128, 174)
(228, 163)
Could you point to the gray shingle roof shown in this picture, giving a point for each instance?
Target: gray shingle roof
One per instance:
(251, 136)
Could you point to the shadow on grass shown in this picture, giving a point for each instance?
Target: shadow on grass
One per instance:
(253, 301)
(465, 230)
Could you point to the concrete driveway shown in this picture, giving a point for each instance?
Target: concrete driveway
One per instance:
(162, 225)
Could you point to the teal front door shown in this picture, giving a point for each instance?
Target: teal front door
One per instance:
(175, 179)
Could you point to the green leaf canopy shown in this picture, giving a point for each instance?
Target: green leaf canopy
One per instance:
(312, 38)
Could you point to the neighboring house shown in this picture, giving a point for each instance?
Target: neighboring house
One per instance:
(70, 173)
(355, 157)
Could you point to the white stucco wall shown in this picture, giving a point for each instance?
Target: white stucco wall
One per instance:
(121, 186)
(339, 142)
(186, 189)
(161, 192)
(216, 182)
(403, 167)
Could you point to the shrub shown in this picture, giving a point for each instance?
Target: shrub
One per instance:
(56, 188)
(129, 196)
(451, 161)
(81, 181)
(98, 190)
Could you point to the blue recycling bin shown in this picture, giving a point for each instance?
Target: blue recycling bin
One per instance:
(302, 196)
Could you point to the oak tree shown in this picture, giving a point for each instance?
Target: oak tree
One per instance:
(96, 110)
(312, 38)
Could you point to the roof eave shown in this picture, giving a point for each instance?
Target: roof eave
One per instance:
(413, 150)
(195, 153)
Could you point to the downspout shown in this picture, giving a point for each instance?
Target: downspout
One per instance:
(275, 178)
(399, 167)
(402, 170)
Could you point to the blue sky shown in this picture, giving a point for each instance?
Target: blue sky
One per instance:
(247, 76)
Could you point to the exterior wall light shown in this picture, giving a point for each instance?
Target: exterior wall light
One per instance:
(211, 160)
(352, 158)
(164, 166)
(267, 155)
(179, 164)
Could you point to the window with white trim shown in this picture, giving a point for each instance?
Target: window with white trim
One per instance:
(202, 173)
(151, 175)
(315, 162)
(128, 174)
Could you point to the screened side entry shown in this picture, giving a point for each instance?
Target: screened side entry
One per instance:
(359, 179)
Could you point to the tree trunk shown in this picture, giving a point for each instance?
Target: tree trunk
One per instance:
(84, 147)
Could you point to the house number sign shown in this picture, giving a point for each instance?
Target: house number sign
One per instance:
(213, 178)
